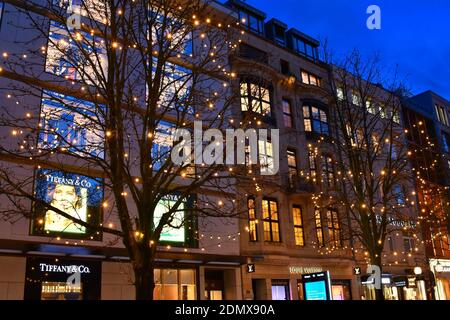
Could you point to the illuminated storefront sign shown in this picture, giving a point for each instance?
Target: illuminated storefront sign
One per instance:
(64, 268)
(176, 231)
(304, 270)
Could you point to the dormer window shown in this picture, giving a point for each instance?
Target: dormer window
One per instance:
(305, 49)
(252, 22)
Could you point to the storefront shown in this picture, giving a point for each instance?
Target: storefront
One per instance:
(441, 271)
(410, 287)
(62, 279)
(279, 281)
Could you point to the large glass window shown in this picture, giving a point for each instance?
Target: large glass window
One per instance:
(287, 114)
(298, 226)
(319, 228)
(76, 195)
(71, 124)
(92, 9)
(162, 144)
(252, 222)
(175, 284)
(255, 98)
(334, 227)
(75, 56)
(315, 120)
(271, 221)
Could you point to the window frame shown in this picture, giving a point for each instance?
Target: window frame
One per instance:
(334, 227)
(310, 122)
(297, 226)
(328, 169)
(318, 222)
(270, 221)
(249, 98)
(287, 116)
(252, 220)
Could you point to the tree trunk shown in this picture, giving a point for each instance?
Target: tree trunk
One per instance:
(144, 281)
(379, 295)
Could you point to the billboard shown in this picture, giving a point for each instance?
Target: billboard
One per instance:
(76, 195)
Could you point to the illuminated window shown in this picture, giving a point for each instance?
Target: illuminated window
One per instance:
(334, 227)
(356, 99)
(266, 160)
(175, 284)
(287, 114)
(319, 228)
(311, 79)
(271, 221)
(340, 93)
(255, 98)
(252, 225)
(298, 226)
(315, 120)
(92, 9)
(72, 124)
(75, 55)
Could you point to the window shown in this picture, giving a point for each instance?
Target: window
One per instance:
(390, 242)
(175, 284)
(255, 98)
(94, 9)
(319, 228)
(396, 116)
(356, 99)
(334, 227)
(266, 160)
(312, 167)
(315, 120)
(292, 165)
(399, 195)
(162, 144)
(271, 221)
(370, 106)
(305, 49)
(328, 170)
(248, 52)
(79, 56)
(287, 114)
(284, 67)
(298, 226)
(251, 22)
(252, 224)
(441, 114)
(71, 124)
(340, 93)
(279, 35)
(309, 78)
(176, 85)
(382, 110)
(408, 244)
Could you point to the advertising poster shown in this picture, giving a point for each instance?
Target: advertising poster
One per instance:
(76, 195)
(176, 232)
(317, 286)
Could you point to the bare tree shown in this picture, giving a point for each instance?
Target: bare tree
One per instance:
(370, 176)
(111, 93)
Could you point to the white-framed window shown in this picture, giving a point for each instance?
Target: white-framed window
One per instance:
(255, 97)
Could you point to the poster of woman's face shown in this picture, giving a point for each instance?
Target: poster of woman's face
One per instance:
(76, 195)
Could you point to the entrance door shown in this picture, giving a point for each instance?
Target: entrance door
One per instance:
(214, 284)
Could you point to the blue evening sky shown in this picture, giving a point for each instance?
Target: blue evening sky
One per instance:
(415, 34)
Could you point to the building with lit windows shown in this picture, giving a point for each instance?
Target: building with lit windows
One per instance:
(427, 121)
